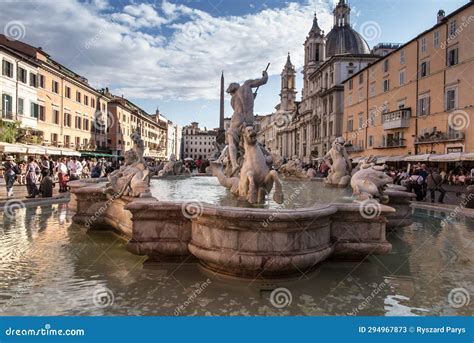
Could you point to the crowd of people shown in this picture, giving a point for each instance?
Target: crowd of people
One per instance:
(40, 175)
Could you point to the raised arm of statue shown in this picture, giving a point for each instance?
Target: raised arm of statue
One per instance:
(258, 82)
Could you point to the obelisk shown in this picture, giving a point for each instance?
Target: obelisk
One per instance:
(221, 135)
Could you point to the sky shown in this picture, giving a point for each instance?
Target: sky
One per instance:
(169, 54)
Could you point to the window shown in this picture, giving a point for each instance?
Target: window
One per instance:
(86, 124)
(77, 122)
(361, 78)
(86, 100)
(424, 70)
(42, 115)
(55, 87)
(402, 57)
(34, 109)
(55, 116)
(92, 102)
(386, 85)
(21, 106)
(350, 124)
(436, 39)
(450, 99)
(350, 84)
(67, 92)
(360, 120)
(33, 80)
(424, 106)
(54, 138)
(371, 141)
(402, 78)
(22, 75)
(385, 66)
(453, 56)
(423, 44)
(349, 99)
(7, 106)
(7, 68)
(452, 27)
(78, 96)
(67, 119)
(372, 89)
(41, 80)
(372, 118)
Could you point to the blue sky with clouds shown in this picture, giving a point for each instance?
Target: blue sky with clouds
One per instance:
(170, 53)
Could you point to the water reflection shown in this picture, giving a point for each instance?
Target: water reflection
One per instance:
(49, 266)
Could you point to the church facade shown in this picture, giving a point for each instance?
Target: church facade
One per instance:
(305, 129)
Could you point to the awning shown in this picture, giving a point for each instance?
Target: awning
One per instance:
(381, 159)
(35, 149)
(12, 148)
(356, 159)
(53, 151)
(467, 156)
(451, 157)
(418, 158)
(69, 152)
(396, 158)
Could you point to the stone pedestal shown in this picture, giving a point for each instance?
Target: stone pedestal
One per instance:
(400, 200)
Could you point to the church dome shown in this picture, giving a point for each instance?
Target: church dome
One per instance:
(345, 40)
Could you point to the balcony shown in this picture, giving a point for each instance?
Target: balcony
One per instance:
(392, 143)
(397, 119)
(354, 148)
(439, 137)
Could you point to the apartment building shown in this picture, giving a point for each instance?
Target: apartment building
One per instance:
(198, 143)
(417, 99)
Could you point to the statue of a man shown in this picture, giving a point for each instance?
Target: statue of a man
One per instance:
(242, 103)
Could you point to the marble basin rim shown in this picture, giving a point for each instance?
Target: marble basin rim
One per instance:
(258, 243)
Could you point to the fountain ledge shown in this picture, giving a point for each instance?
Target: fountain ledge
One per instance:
(263, 243)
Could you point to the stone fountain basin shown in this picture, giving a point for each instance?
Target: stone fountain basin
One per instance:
(244, 242)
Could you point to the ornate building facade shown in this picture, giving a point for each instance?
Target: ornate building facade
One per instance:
(307, 128)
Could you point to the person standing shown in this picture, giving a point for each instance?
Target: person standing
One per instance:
(434, 183)
(75, 169)
(10, 173)
(32, 172)
(62, 175)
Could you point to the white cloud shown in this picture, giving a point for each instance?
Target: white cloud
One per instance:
(119, 49)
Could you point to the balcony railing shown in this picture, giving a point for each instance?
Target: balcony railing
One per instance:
(396, 119)
(354, 148)
(393, 143)
(439, 137)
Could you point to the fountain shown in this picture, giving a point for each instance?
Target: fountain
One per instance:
(249, 237)
(340, 165)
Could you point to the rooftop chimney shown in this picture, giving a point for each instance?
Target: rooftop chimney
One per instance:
(440, 16)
